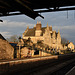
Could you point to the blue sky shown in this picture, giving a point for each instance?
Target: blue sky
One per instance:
(16, 25)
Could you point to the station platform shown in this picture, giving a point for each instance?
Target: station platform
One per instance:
(71, 72)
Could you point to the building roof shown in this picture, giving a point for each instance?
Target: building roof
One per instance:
(1, 37)
(43, 30)
(31, 32)
(13, 43)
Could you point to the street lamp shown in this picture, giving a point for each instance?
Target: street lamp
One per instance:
(20, 46)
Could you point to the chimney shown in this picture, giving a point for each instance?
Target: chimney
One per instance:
(38, 29)
(38, 26)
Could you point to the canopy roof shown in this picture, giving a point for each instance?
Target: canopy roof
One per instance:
(29, 7)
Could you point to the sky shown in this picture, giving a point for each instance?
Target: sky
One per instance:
(16, 25)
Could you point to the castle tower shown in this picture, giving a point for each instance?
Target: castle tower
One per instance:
(38, 29)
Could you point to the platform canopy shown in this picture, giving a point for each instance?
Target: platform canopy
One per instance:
(30, 7)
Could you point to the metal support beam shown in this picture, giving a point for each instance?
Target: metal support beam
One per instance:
(10, 14)
(52, 10)
(28, 11)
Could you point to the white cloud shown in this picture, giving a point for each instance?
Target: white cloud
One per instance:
(8, 23)
(9, 28)
(69, 27)
(5, 34)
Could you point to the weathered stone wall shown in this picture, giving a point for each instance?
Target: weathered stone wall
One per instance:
(34, 39)
(6, 50)
(49, 37)
(24, 52)
(38, 33)
(47, 40)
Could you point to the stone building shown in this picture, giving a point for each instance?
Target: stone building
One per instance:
(28, 48)
(45, 34)
(69, 45)
(6, 50)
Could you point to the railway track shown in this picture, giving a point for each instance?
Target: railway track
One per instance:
(64, 70)
(53, 68)
(48, 67)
